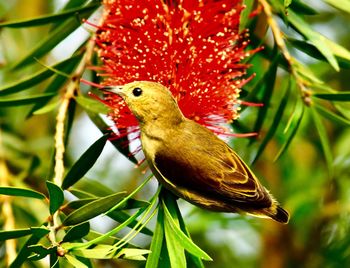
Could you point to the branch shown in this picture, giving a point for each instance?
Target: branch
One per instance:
(278, 36)
(71, 89)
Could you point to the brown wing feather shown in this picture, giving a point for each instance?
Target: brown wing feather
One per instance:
(211, 168)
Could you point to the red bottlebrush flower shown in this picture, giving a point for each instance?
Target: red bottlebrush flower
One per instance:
(193, 47)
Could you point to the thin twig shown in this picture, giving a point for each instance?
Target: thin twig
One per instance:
(71, 89)
(278, 36)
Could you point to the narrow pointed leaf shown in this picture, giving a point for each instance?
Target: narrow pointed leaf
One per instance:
(341, 56)
(56, 196)
(302, 8)
(245, 14)
(121, 216)
(157, 241)
(48, 18)
(4, 235)
(119, 144)
(182, 239)
(77, 232)
(341, 96)
(133, 254)
(294, 126)
(324, 140)
(56, 85)
(92, 105)
(268, 85)
(340, 4)
(98, 252)
(16, 191)
(51, 40)
(130, 204)
(314, 37)
(25, 252)
(332, 116)
(10, 102)
(197, 261)
(75, 262)
(40, 252)
(54, 263)
(85, 162)
(175, 249)
(36, 78)
(276, 121)
(93, 209)
(94, 187)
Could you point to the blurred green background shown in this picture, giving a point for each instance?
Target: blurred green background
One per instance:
(318, 199)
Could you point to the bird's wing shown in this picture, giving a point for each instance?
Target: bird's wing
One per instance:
(214, 170)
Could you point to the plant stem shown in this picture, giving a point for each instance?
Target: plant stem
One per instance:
(278, 36)
(71, 89)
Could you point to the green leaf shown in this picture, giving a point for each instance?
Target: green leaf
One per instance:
(10, 102)
(54, 262)
(77, 232)
(276, 121)
(318, 40)
(16, 191)
(75, 262)
(338, 50)
(48, 18)
(342, 55)
(116, 215)
(92, 105)
(245, 14)
(121, 217)
(93, 209)
(157, 241)
(93, 187)
(331, 116)
(268, 85)
(343, 5)
(175, 249)
(56, 196)
(132, 254)
(324, 140)
(98, 252)
(4, 235)
(24, 252)
(301, 8)
(293, 124)
(38, 77)
(119, 143)
(51, 40)
(40, 252)
(172, 225)
(341, 96)
(197, 261)
(40, 231)
(287, 3)
(55, 86)
(45, 109)
(85, 162)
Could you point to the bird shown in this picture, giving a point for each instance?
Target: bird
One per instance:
(190, 160)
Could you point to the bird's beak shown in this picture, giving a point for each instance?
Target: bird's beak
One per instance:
(114, 89)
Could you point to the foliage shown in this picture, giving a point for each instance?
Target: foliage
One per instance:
(48, 202)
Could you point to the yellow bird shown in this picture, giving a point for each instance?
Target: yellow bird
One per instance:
(190, 160)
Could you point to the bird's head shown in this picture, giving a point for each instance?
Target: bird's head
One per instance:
(148, 101)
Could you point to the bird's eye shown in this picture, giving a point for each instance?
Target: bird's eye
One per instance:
(137, 91)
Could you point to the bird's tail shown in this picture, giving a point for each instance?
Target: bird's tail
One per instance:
(274, 212)
(279, 215)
